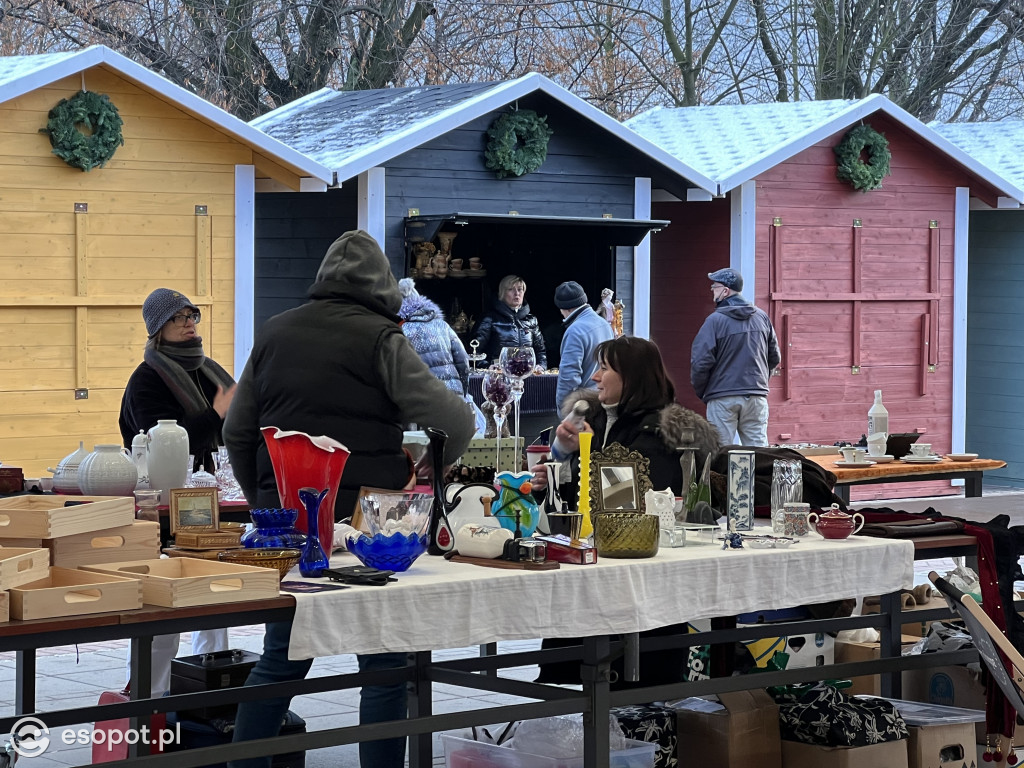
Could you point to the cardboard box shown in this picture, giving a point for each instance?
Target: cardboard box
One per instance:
(915, 628)
(745, 733)
(464, 753)
(942, 746)
(888, 754)
(847, 652)
(481, 451)
(950, 686)
(813, 650)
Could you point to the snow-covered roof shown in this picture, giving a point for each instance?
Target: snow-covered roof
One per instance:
(353, 131)
(23, 74)
(735, 143)
(996, 144)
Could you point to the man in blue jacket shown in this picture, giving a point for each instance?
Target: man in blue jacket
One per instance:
(583, 330)
(733, 354)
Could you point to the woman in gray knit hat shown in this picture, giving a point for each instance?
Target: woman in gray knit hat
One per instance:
(176, 380)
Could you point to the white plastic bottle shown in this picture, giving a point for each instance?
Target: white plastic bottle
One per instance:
(878, 416)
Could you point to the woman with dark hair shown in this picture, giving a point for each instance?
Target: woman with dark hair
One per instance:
(634, 405)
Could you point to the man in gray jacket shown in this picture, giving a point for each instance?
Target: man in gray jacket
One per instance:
(583, 330)
(733, 354)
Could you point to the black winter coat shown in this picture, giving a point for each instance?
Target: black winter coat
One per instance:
(503, 326)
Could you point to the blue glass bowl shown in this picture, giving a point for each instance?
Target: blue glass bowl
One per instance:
(388, 553)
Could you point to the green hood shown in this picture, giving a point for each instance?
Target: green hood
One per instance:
(356, 269)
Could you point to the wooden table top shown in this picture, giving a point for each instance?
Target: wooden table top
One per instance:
(901, 469)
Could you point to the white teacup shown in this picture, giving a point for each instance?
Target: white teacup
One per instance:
(876, 449)
(921, 449)
(853, 455)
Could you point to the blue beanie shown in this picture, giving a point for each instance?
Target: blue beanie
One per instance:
(730, 278)
(160, 306)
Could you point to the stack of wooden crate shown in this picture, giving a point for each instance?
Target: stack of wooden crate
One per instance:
(74, 555)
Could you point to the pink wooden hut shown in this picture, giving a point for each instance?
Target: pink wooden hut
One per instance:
(867, 290)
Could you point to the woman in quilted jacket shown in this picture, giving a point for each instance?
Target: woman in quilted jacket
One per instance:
(433, 339)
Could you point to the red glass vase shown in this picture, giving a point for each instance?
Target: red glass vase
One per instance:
(303, 461)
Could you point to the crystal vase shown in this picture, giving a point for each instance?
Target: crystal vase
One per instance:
(302, 461)
(314, 559)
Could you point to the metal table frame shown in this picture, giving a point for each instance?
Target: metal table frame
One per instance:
(478, 673)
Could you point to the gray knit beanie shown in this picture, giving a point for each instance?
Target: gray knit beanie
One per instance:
(570, 295)
(730, 278)
(160, 306)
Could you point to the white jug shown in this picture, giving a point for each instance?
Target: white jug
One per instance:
(168, 457)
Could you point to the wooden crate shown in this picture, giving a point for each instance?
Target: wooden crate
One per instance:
(68, 592)
(5, 607)
(22, 566)
(178, 582)
(46, 517)
(138, 541)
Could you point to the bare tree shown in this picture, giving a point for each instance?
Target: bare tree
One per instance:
(246, 55)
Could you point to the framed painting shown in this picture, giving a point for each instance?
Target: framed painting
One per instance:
(195, 509)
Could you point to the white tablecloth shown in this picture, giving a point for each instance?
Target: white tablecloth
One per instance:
(440, 604)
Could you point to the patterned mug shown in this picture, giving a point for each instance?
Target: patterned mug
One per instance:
(794, 518)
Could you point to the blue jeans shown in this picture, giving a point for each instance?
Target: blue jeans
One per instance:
(742, 415)
(262, 719)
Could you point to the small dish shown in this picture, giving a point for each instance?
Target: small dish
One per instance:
(961, 456)
(881, 459)
(854, 464)
(933, 459)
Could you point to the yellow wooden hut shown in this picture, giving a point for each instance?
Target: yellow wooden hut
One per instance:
(80, 251)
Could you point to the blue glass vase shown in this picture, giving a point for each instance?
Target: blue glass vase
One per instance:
(274, 528)
(314, 559)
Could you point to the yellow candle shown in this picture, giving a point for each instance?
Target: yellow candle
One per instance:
(584, 502)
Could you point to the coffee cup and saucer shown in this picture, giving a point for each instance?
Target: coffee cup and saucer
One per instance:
(854, 458)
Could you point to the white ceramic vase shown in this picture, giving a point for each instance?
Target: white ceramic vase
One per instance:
(65, 476)
(107, 471)
(168, 457)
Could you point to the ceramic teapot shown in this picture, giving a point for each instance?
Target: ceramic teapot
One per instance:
(835, 524)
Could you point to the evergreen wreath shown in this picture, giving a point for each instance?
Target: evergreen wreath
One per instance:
(851, 168)
(99, 136)
(517, 143)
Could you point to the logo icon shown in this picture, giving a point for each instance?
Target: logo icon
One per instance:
(30, 737)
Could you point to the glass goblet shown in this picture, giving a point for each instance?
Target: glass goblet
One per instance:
(497, 389)
(518, 363)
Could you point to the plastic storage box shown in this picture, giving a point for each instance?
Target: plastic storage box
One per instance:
(465, 753)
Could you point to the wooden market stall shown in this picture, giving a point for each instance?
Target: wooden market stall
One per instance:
(412, 168)
(80, 251)
(995, 354)
(867, 289)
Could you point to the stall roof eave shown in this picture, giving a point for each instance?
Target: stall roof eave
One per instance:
(22, 74)
(753, 138)
(343, 131)
(625, 232)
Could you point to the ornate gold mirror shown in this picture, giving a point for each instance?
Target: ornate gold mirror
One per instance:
(619, 478)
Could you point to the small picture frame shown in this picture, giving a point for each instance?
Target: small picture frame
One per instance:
(194, 509)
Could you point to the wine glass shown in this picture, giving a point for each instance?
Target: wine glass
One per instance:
(518, 363)
(497, 389)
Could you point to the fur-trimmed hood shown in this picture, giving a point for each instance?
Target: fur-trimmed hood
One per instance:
(678, 427)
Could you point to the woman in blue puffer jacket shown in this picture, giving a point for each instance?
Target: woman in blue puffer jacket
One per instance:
(433, 339)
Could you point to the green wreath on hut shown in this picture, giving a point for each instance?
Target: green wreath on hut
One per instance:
(84, 130)
(517, 143)
(852, 168)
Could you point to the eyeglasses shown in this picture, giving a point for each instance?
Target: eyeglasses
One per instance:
(182, 320)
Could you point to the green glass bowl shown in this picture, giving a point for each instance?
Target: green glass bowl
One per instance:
(626, 534)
